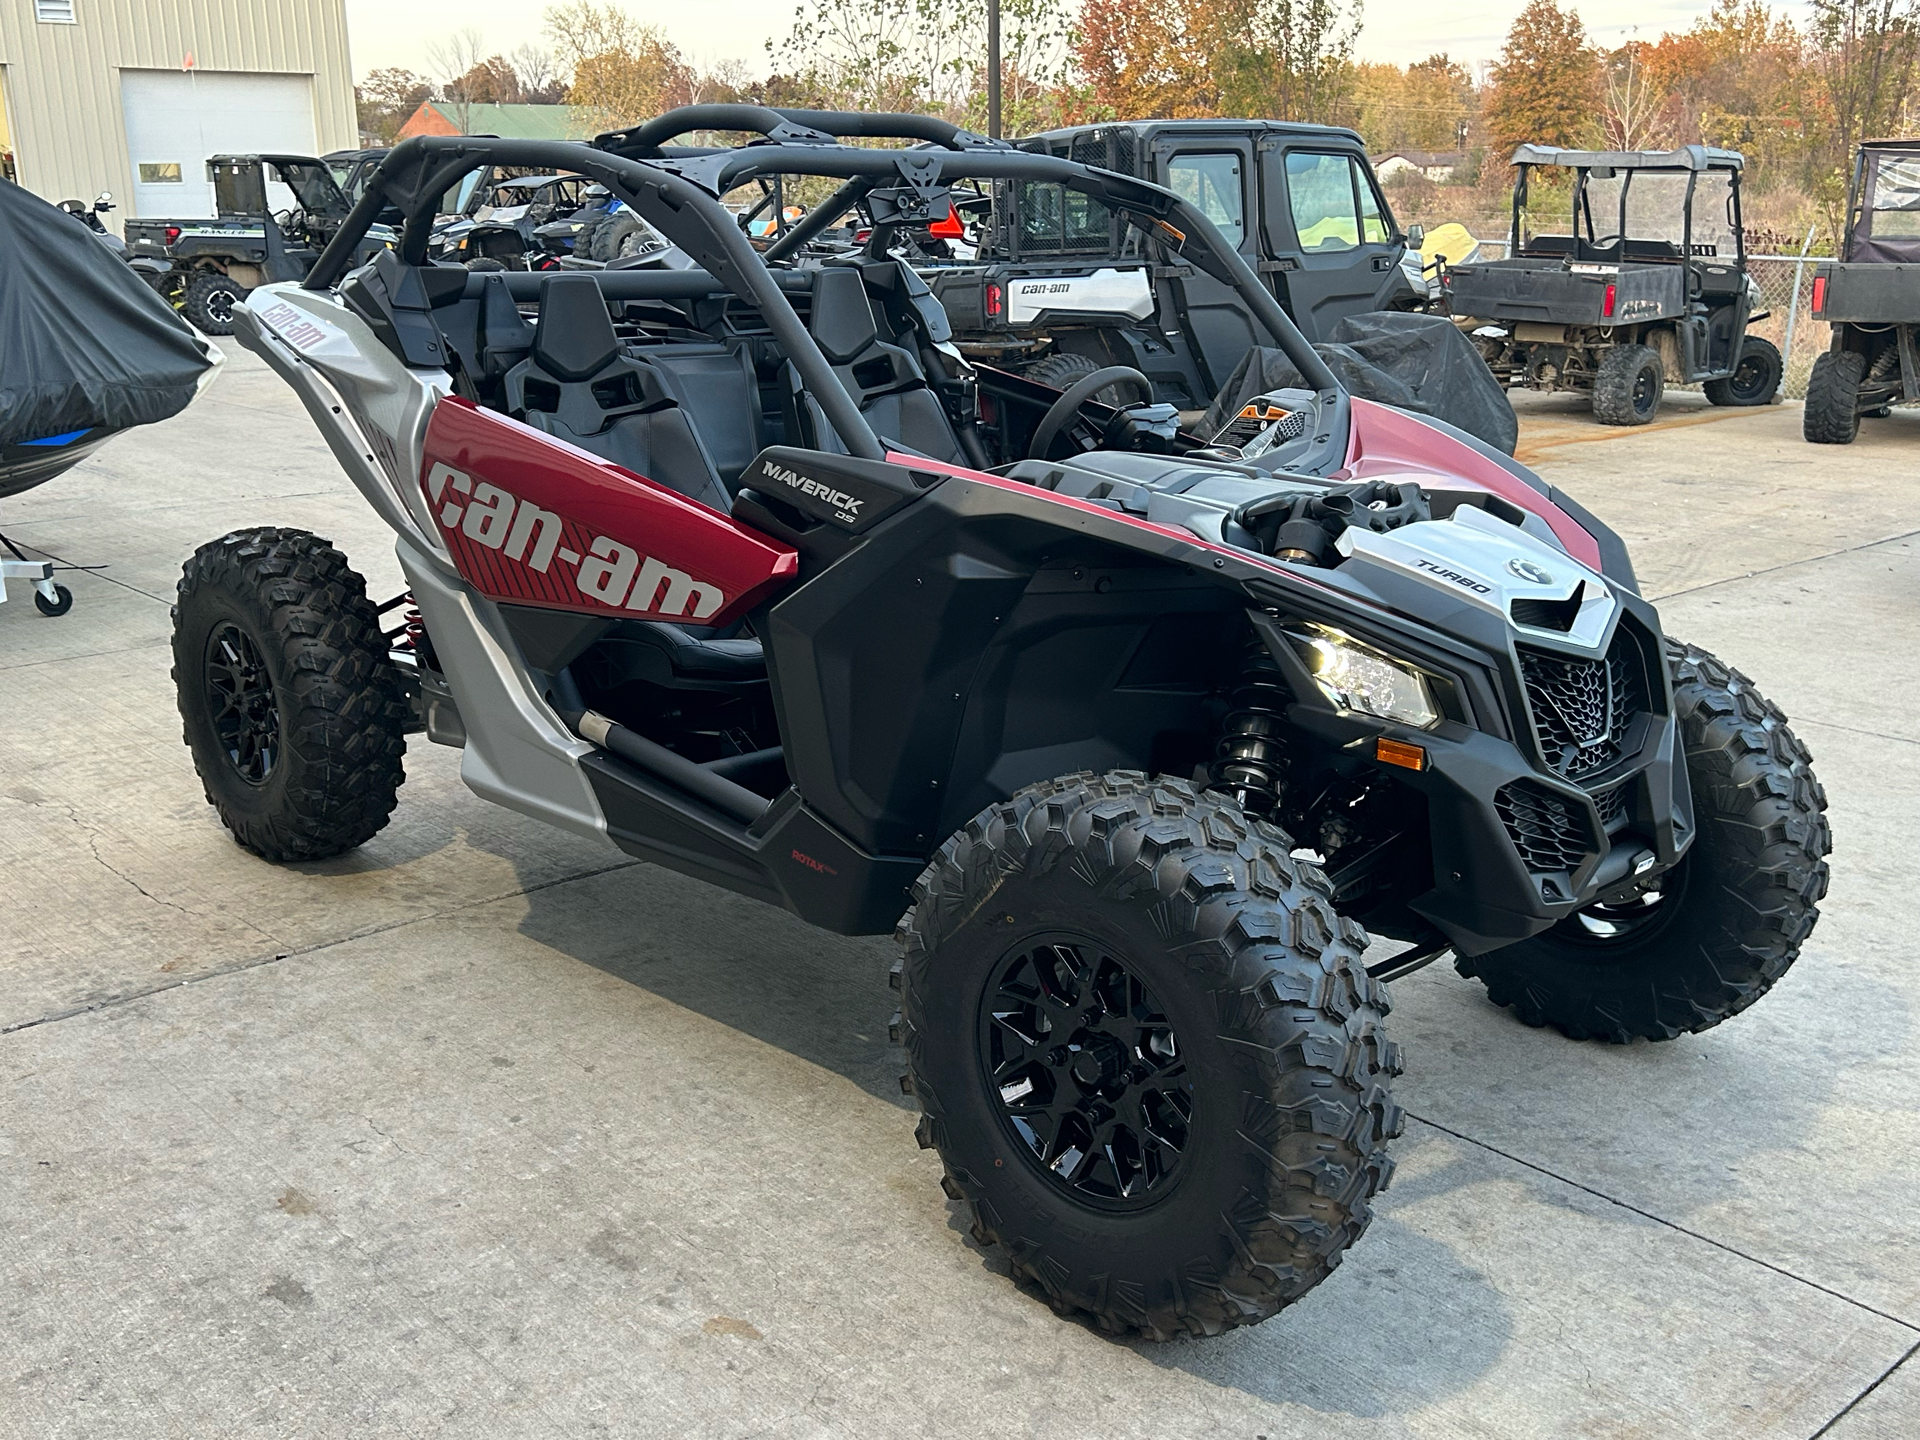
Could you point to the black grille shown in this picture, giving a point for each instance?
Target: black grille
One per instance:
(1549, 831)
(1612, 804)
(1581, 708)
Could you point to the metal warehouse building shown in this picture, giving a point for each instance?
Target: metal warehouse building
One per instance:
(132, 96)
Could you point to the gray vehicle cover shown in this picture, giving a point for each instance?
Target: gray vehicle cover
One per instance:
(1420, 363)
(84, 341)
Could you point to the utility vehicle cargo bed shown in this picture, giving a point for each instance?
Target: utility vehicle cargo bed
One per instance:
(1548, 291)
(1867, 294)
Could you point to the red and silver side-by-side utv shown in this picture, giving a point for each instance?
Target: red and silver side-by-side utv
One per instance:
(1126, 733)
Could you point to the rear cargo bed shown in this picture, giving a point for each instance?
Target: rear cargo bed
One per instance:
(1548, 292)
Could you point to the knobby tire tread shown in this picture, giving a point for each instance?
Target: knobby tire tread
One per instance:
(1284, 970)
(344, 712)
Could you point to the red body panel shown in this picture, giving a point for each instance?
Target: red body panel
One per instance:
(1385, 442)
(532, 520)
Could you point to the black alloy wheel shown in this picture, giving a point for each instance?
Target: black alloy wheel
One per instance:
(240, 699)
(1086, 1071)
(1754, 381)
(1601, 932)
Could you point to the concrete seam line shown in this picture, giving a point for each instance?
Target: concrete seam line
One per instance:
(255, 962)
(1847, 1409)
(98, 570)
(1671, 1225)
(1856, 730)
(1784, 565)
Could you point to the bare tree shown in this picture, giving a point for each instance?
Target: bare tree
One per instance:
(539, 75)
(1631, 106)
(453, 59)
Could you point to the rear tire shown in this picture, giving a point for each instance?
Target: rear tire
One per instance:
(1207, 1098)
(210, 301)
(1730, 918)
(1628, 386)
(1832, 413)
(1062, 371)
(1755, 380)
(295, 715)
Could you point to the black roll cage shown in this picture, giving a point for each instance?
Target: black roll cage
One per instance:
(678, 195)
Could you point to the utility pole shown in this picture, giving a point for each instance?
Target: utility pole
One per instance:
(993, 69)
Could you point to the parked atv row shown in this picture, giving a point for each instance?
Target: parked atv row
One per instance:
(273, 216)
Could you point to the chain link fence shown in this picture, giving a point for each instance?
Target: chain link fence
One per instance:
(1786, 303)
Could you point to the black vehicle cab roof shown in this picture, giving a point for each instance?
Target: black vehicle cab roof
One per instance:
(1145, 129)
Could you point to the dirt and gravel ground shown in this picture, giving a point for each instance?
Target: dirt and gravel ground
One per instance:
(488, 1131)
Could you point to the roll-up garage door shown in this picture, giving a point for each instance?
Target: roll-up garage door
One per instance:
(177, 119)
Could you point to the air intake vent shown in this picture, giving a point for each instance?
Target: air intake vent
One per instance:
(1581, 708)
(1548, 614)
(1550, 832)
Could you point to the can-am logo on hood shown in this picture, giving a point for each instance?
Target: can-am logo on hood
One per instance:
(1529, 571)
(1479, 587)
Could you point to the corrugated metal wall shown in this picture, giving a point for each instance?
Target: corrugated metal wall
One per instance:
(62, 82)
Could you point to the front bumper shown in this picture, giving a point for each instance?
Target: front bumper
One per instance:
(1516, 847)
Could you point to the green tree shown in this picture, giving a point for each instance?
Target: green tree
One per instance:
(385, 99)
(1546, 88)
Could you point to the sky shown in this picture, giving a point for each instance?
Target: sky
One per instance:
(709, 30)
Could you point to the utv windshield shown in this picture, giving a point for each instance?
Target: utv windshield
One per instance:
(311, 185)
(1611, 214)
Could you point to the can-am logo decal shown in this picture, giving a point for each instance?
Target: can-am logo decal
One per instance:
(846, 507)
(603, 570)
(1465, 581)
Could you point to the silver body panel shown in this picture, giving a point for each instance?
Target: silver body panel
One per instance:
(517, 753)
(373, 412)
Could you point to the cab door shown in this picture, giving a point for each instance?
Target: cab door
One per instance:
(1212, 174)
(1336, 242)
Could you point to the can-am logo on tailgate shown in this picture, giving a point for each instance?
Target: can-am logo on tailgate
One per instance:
(615, 575)
(846, 507)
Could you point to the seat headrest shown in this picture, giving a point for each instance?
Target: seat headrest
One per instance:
(574, 338)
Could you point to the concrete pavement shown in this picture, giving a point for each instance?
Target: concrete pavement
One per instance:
(485, 1130)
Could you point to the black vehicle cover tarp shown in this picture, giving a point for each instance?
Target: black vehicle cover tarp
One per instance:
(1420, 363)
(84, 341)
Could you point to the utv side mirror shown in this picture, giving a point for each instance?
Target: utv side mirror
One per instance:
(1416, 235)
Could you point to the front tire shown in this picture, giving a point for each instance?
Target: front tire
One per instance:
(210, 300)
(295, 715)
(1832, 413)
(1628, 385)
(1148, 1051)
(1727, 921)
(1755, 380)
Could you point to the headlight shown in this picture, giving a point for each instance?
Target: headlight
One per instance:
(1358, 677)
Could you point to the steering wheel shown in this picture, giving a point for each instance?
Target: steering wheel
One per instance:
(1066, 409)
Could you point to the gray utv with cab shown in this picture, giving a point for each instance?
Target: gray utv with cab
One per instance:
(1871, 298)
(1064, 285)
(1638, 281)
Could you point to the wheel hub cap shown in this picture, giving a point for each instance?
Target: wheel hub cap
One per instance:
(240, 699)
(1084, 1068)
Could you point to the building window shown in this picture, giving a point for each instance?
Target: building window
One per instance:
(53, 12)
(160, 173)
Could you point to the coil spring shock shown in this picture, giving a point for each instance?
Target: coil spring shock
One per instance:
(1251, 759)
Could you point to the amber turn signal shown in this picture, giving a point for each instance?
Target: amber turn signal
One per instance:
(1398, 752)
